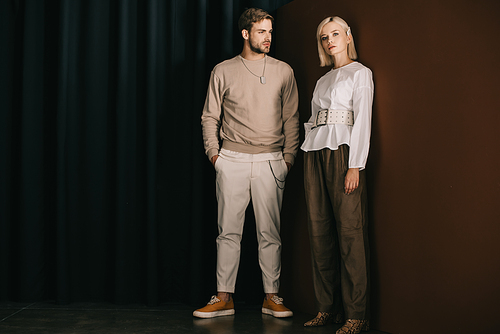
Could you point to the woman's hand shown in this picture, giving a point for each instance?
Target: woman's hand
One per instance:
(351, 180)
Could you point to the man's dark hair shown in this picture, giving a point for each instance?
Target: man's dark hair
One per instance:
(252, 15)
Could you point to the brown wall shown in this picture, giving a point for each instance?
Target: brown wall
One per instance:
(434, 161)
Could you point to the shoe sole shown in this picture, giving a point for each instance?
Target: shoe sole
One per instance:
(206, 315)
(283, 314)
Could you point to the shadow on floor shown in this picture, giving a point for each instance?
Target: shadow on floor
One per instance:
(47, 317)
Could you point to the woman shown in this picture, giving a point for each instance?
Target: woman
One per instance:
(336, 145)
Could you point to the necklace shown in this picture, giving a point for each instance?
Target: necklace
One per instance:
(262, 77)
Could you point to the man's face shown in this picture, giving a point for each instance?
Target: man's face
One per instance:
(259, 36)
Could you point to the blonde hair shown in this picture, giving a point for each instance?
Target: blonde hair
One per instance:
(324, 58)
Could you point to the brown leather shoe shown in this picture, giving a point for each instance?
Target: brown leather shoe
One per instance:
(353, 326)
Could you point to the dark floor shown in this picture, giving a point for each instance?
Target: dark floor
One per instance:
(46, 317)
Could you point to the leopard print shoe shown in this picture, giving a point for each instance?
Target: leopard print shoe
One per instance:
(324, 318)
(353, 326)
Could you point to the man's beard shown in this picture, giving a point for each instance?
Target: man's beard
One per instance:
(257, 49)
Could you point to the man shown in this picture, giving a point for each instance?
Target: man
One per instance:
(251, 109)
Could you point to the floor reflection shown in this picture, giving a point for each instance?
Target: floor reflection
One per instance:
(265, 324)
(222, 325)
(272, 325)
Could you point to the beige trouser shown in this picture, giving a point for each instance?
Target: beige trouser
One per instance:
(241, 177)
(338, 234)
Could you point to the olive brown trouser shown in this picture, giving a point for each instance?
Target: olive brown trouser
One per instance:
(338, 234)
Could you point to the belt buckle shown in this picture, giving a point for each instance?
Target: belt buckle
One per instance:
(315, 124)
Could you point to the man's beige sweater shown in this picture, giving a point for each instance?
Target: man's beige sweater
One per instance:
(248, 116)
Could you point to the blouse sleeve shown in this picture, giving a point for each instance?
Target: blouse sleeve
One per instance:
(362, 99)
(314, 110)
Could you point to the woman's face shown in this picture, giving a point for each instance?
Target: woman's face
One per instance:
(334, 39)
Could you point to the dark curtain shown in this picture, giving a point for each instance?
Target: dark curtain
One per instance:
(105, 191)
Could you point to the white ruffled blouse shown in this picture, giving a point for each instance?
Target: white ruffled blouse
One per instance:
(346, 88)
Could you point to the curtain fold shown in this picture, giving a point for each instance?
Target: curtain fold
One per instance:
(30, 234)
(124, 103)
(105, 191)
